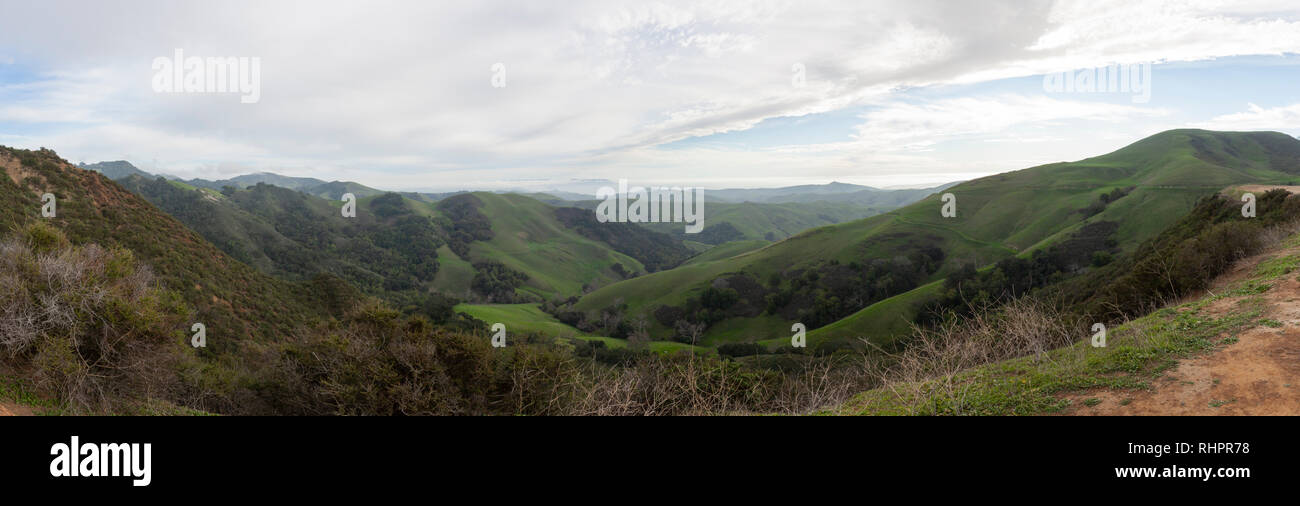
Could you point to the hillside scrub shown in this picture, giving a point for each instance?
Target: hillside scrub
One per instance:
(937, 372)
(85, 325)
(89, 329)
(378, 362)
(656, 251)
(929, 374)
(1184, 258)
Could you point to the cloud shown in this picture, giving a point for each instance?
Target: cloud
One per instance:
(906, 126)
(1285, 118)
(401, 91)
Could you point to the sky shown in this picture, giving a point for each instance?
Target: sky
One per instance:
(489, 95)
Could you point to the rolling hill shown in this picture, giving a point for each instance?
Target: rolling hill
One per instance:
(234, 301)
(115, 169)
(777, 213)
(399, 248)
(1141, 189)
(559, 260)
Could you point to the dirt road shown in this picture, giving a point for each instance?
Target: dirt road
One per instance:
(7, 409)
(1259, 374)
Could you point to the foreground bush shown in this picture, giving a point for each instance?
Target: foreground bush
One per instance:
(89, 329)
(85, 325)
(377, 362)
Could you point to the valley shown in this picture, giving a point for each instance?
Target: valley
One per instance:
(262, 265)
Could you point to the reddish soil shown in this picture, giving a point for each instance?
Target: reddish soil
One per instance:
(1259, 374)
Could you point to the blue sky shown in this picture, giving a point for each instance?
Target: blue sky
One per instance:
(400, 95)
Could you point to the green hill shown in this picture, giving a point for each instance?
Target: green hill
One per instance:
(296, 236)
(727, 250)
(771, 221)
(529, 318)
(1142, 189)
(115, 169)
(233, 300)
(401, 248)
(528, 238)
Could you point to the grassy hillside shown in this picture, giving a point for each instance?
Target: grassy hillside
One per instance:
(1136, 354)
(727, 250)
(296, 236)
(1159, 178)
(770, 221)
(398, 247)
(233, 300)
(529, 318)
(558, 261)
(518, 318)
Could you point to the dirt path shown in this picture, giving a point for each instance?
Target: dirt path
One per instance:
(7, 409)
(1257, 375)
(1261, 188)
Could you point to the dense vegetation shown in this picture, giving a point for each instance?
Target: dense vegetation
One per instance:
(85, 329)
(967, 289)
(87, 325)
(355, 324)
(654, 250)
(467, 223)
(1183, 258)
(233, 299)
(1144, 188)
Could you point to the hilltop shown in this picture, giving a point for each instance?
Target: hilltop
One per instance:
(1127, 196)
(231, 298)
(1226, 348)
(402, 248)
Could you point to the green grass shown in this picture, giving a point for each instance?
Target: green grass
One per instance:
(529, 318)
(1136, 353)
(881, 323)
(655, 346)
(558, 261)
(756, 220)
(997, 216)
(454, 275)
(521, 318)
(17, 391)
(727, 250)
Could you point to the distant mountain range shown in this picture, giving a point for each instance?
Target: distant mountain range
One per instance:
(830, 192)
(735, 214)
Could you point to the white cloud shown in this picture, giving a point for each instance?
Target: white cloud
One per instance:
(401, 91)
(907, 126)
(1285, 118)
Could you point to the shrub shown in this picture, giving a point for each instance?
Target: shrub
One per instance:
(741, 349)
(378, 362)
(86, 325)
